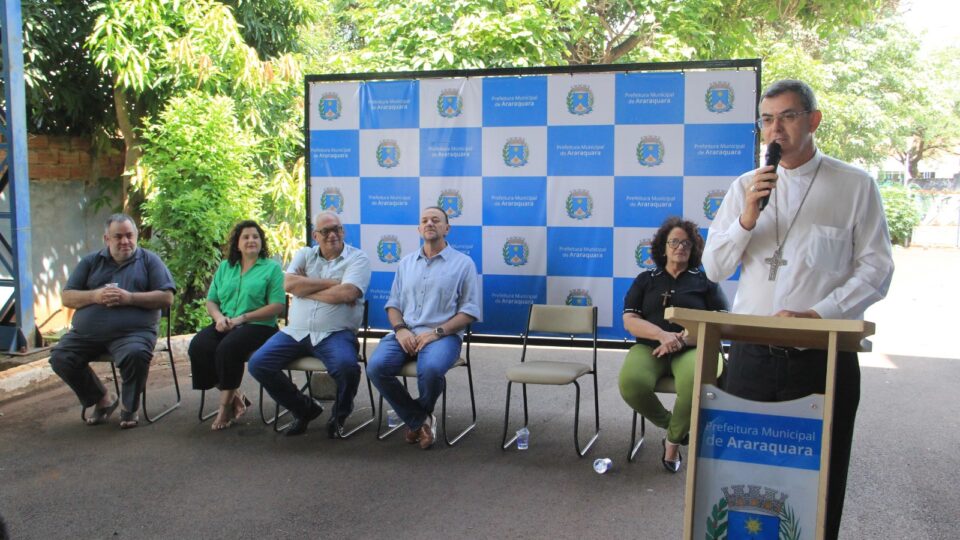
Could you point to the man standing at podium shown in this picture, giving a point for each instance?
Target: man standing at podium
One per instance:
(820, 249)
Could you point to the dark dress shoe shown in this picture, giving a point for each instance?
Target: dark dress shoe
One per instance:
(335, 427)
(411, 436)
(299, 425)
(670, 466)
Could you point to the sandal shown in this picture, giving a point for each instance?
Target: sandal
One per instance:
(128, 420)
(102, 414)
(240, 404)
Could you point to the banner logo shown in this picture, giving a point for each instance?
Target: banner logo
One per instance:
(449, 104)
(388, 249)
(516, 152)
(332, 199)
(580, 100)
(650, 151)
(330, 106)
(643, 254)
(515, 251)
(451, 202)
(711, 203)
(754, 512)
(719, 97)
(579, 204)
(388, 154)
(579, 297)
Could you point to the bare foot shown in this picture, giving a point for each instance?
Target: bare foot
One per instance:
(223, 420)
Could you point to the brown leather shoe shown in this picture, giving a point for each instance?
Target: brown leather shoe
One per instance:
(411, 436)
(428, 433)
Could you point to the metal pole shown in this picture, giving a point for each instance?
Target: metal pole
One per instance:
(15, 135)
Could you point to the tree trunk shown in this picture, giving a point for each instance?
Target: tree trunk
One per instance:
(132, 198)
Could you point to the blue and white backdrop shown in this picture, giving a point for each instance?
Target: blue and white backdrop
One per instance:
(554, 183)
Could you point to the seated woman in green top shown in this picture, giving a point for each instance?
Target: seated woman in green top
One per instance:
(245, 297)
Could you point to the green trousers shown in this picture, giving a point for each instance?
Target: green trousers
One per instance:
(638, 377)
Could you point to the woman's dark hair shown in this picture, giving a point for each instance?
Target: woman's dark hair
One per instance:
(659, 244)
(234, 254)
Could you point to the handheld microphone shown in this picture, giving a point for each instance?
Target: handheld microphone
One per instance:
(773, 158)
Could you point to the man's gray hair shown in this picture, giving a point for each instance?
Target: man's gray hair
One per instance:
(331, 213)
(807, 98)
(119, 218)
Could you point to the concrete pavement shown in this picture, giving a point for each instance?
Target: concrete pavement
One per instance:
(177, 479)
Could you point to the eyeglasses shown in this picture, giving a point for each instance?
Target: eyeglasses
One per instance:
(676, 244)
(789, 117)
(327, 230)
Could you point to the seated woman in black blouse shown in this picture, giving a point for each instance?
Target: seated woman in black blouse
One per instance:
(661, 349)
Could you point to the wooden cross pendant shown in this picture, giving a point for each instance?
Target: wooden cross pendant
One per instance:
(775, 263)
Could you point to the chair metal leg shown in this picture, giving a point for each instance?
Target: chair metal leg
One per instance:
(504, 443)
(368, 421)
(381, 435)
(634, 443)
(200, 415)
(168, 410)
(278, 414)
(576, 425)
(473, 408)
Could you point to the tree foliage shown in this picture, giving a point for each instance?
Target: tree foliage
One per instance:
(66, 92)
(902, 213)
(461, 34)
(881, 94)
(201, 184)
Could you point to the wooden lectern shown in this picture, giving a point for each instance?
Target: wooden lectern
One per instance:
(708, 328)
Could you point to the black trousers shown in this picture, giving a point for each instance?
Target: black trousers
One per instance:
(763, 373)
(216, 358)
(132, 354)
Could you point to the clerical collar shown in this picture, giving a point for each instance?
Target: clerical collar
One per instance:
(803, 171)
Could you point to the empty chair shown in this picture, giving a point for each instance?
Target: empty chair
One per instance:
(568, 320)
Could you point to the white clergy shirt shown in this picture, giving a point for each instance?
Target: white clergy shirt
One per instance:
(838, 257)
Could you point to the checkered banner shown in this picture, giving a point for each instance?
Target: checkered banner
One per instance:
(554, 183)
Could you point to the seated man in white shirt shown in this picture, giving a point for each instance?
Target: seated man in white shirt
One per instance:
(327, 282)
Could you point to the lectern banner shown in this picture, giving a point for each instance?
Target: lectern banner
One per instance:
(553, 182)
(758, 467)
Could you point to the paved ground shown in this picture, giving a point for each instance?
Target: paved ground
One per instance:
(176, 479)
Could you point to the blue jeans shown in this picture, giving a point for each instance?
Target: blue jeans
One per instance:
(433, 362)
(338, 352)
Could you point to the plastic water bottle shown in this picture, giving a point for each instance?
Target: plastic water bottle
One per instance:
(523, 438)
(602, 465)
(392, 419)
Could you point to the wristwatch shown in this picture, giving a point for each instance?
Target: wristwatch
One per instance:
(399, 327)
(439, 331)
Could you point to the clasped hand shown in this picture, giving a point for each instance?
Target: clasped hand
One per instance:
(670, 342)
(413, 344)
(113, 296)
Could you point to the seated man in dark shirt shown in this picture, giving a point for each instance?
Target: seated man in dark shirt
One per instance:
(118, 293)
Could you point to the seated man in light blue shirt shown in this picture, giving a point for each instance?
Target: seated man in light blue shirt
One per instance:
(327, 283)
(433, 298)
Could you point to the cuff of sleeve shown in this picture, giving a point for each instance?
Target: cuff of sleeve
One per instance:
(472, 310)
(827, 310)
(739, 235)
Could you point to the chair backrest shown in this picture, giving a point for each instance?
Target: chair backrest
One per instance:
(568, 320)
(572, 320)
